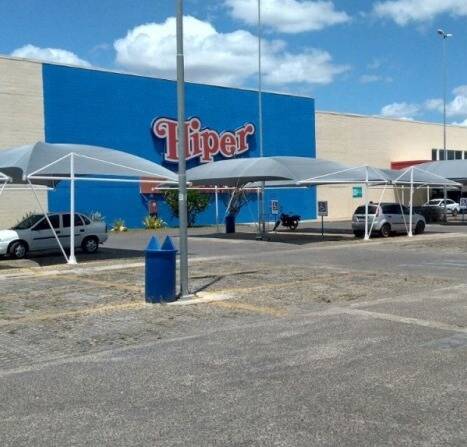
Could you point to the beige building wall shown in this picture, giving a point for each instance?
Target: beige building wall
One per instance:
(21, 122)
(363, 140)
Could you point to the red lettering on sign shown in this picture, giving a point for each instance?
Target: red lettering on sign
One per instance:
(202, 143)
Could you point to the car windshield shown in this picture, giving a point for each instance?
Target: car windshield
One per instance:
(434, 202)
(361, 209)
(28, 222)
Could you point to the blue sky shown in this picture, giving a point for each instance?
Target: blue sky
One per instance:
(360, 56)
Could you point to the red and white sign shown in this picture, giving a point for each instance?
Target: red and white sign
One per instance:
(202, 143)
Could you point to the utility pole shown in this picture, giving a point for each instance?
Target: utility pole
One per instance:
(444, 36)
(262, 225)
(181, 135)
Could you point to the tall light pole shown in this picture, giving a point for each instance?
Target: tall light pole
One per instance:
(444, 36)
(262, 228)
(181, 136)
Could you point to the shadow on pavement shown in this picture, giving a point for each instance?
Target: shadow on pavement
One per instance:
(52, 259)
(297, 238)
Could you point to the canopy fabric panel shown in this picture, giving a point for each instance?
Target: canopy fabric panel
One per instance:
(420, 177)
(4, 178)
(288, 171)
(348, 175)
(53, 160)
(450, 169)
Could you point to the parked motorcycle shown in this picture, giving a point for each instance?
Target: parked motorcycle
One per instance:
(287, 220)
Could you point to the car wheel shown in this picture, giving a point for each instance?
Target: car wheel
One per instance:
(385, 230)
(454, 213)
(90, 244)
(18, 250)
(420, 227)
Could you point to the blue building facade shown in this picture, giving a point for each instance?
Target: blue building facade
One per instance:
(118, 110)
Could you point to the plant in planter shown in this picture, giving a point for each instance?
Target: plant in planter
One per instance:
(153, 223)
(119, 226)
(96, 216)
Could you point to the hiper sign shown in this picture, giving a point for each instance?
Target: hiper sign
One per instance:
(202, 143)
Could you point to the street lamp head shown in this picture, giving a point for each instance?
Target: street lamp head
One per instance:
(443, 34)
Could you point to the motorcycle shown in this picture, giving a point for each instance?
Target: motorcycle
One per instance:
(287, 220)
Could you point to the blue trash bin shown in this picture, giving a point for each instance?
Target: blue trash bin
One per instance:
(230, 223)
(160, 275)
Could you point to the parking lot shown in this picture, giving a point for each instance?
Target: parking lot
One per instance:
(297, 341)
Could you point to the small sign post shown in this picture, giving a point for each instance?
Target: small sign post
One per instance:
(322, 211)
(274, 207)
(463, 206)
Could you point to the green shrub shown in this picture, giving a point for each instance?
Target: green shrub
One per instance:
(197, 202)
(153, 223)
(119, 226)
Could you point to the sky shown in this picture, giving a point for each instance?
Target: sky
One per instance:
(368, 57)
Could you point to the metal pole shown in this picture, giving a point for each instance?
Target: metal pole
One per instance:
(48, 220)
(411, 204)
(445, 75)
(182, 190)
(444, 97)
(72, 258)
(366, 204)
(217, 208)
(444, 36)
(260, 118)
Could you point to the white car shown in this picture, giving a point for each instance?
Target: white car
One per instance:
(34, 234)
(451, 206)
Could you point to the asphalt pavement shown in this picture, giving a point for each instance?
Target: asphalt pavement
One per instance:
(295, 341)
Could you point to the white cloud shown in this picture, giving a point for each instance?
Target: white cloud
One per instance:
(55, 55)
(456, 107)
(404, 12)
(369, 78)
(375, 64)
(288, 16)
(401, 110)
(220, 58)
(434, 104)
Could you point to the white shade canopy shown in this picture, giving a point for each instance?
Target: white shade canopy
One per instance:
(47, 163)
(300, 171)
(451, 169)
(417, 176)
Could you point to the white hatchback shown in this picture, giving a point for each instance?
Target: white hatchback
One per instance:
(34, 234)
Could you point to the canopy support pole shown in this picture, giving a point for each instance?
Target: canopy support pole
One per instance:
(48, 220)
(72, 257)
(410, 234)
(217, 208)
(259, 235)
(403, 216)
(445, 195)
(367, 237)
(379, 204)
(2, 188)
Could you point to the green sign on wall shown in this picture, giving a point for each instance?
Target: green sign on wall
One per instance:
(357, 192)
